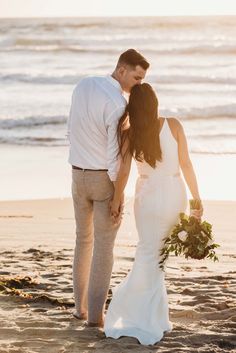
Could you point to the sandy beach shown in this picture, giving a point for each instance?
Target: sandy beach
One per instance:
(37, 240)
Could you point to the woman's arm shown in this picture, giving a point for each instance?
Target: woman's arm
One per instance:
(186, 164)
(122, 178)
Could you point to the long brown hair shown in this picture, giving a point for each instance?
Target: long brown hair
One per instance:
(140, 125)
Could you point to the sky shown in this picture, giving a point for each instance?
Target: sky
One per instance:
(76, 8)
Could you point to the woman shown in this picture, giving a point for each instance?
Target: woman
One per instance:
(139, 307)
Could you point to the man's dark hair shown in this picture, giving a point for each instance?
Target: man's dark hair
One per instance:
(133, 58)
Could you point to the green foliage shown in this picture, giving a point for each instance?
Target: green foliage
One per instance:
(190, 238)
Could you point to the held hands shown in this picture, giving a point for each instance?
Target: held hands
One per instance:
(116, 209)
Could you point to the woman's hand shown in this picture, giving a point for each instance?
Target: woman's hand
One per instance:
(116, 209)
(197, 213)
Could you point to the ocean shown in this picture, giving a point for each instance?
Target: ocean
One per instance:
(193, 70)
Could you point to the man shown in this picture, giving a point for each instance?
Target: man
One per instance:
(97, 105)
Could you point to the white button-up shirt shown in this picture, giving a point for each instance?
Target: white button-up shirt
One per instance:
(96, 107)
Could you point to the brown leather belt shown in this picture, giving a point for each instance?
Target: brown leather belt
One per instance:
(91, 170)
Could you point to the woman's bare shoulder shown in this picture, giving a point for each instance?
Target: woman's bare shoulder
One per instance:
(175, 126)
(174, 121)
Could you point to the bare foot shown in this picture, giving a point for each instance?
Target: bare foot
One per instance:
(80, 316)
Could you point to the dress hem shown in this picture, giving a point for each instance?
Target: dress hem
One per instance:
(116, 333)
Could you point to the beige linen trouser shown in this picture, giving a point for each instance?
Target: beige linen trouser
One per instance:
(95, 236)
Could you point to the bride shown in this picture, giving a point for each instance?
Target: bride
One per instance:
(139, 307)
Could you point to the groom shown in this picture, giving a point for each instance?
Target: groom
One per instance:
(97, 105)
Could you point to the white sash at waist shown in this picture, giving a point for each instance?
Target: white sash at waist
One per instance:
(146, 176)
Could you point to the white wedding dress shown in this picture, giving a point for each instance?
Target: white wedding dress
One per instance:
(139, 307)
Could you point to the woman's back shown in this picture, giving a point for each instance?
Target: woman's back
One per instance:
(170, 159)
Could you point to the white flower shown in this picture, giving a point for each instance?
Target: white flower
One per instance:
(204, 235)
(183, 235)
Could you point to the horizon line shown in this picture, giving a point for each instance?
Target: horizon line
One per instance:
(116, 16)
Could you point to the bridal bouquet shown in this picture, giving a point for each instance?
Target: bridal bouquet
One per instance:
(191, 238)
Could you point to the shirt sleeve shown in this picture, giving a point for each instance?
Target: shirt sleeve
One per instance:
(113, 160)
(70, 116)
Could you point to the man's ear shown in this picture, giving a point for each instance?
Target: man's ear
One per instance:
(121, 70)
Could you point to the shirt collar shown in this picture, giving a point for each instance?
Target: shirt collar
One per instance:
(114, 82)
